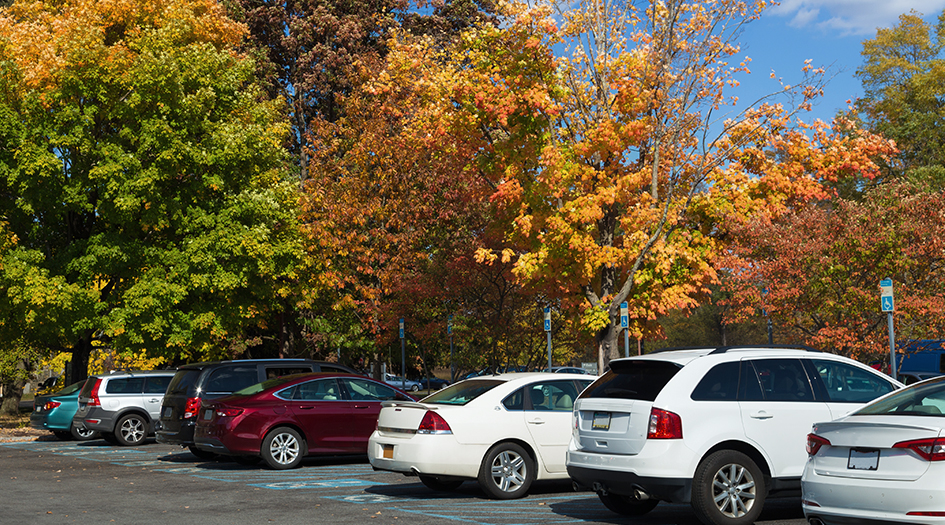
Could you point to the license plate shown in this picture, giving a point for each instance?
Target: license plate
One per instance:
(601, 421)
(208, 414)
(387, 451)
(167, 411)
(863, 459)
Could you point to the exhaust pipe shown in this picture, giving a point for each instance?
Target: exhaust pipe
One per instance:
(815, 521)
(640, 494)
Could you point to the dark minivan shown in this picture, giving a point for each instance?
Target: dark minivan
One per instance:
(211, 380)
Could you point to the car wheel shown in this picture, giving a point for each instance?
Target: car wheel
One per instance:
(415, 388)
(201, 454)
(728, 489)
(282, 448)
(627, 505)
(81, 433)
(131, 430)
(439, 484)
(444, 385)
(507, 471)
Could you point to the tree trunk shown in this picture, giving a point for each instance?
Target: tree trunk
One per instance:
(80, 359)
(607, 346)
(12, 393)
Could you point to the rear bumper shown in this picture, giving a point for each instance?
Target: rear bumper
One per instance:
(96, 418)
(674, 490)
(183, 436)
(436, 455)
(213, 445)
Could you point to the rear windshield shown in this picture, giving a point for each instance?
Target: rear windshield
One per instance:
(634, 379)
(925, 399)
(183, 382)
(71, 389)
(462, 393)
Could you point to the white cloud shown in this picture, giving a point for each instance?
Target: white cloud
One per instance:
(859, 17)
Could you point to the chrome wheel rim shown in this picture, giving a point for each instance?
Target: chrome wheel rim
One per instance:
(733, 490)
(84, 432)
(132, 430)
(508, 471)
(284, 448)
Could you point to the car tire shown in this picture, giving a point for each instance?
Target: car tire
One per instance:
(131, 430)
(415, 388)
(507, 471)
(201, 454)
(82, 434)
(627, 505)
(283, 448)
(735, 474)
(440, 484)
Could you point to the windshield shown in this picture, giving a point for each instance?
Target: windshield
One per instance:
(922, 399)
(462, 393)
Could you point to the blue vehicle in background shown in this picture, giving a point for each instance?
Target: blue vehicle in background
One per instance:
(922, 357)
(55, 411)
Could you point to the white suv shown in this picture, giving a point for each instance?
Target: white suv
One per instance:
(720, 428)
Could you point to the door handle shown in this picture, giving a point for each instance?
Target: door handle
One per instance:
(154, 401)
(305, 408)
(536, 422)
(361, 407)
(761, 415)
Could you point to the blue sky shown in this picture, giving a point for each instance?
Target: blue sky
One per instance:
(830, 33)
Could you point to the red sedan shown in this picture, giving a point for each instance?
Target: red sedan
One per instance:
(287, 418)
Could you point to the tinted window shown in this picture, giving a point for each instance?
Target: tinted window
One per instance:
(633, 379)
(515, 400)
(556, 396)
(366, 390)
(156, 384)
(462, 393)
(319, 390)
(71, 389)
(719, 384)
(231, 378)
(749, 388)
(783, 379)
(334, 369)
(131, 385)
(183, 382)
(279, 371)
(850, 384)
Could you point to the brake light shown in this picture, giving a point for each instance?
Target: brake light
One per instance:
(229, 412)
(814, 442)
(932, 449)
(94, 400)
(433, 423)
(191, 407)
(664, 425)
(51, 405)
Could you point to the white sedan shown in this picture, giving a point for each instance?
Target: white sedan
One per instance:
(883, 463)
(505, 431)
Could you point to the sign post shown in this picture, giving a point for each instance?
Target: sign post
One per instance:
(625, 325)
(548, 331)
(449, 331)
(888, 303)
(403, 357)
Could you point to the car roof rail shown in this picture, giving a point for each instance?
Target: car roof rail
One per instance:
(802, 348)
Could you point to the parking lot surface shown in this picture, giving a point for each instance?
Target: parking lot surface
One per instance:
(93, 482)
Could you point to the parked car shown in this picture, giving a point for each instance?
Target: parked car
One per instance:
(433, 383)
(733, 420)
(883, 463)
(908, 378)
(565, 370)
(284, 419)
(194, 383)
(55, 412)
(443, 438)
(122, 406)
(399, 382)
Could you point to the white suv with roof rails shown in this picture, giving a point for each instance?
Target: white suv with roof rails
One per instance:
(719, 428)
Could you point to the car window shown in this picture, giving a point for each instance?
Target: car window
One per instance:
(633, 379)
(318, 390)
(846, 383)
(927, 399)
(557, 396)
(71, 389)
(515, 400)
(156, 384)
(183, 381)
(366, 390)
(783, 379)
(334, 369)
(463, 392)
(130, 385)
(279, 371)
(720, 383)
(231, 378)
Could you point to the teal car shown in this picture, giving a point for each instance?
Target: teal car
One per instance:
(55, 411)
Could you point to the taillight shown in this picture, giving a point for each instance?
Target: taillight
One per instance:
(664, 425)
(51, 405)
(94, 400)
(433, 423)
(229, 412)
(191, 407)
(932, 449)
(814, 442)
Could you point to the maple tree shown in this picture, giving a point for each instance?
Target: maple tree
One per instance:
(140, 180)
(816, 272)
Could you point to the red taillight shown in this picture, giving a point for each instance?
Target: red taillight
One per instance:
(936, 513)
(229, 412)
(664, 425)
(191, 407)
(51, 405)
(94, 400)
(433, 423)
(932, 449)
(814, 442)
